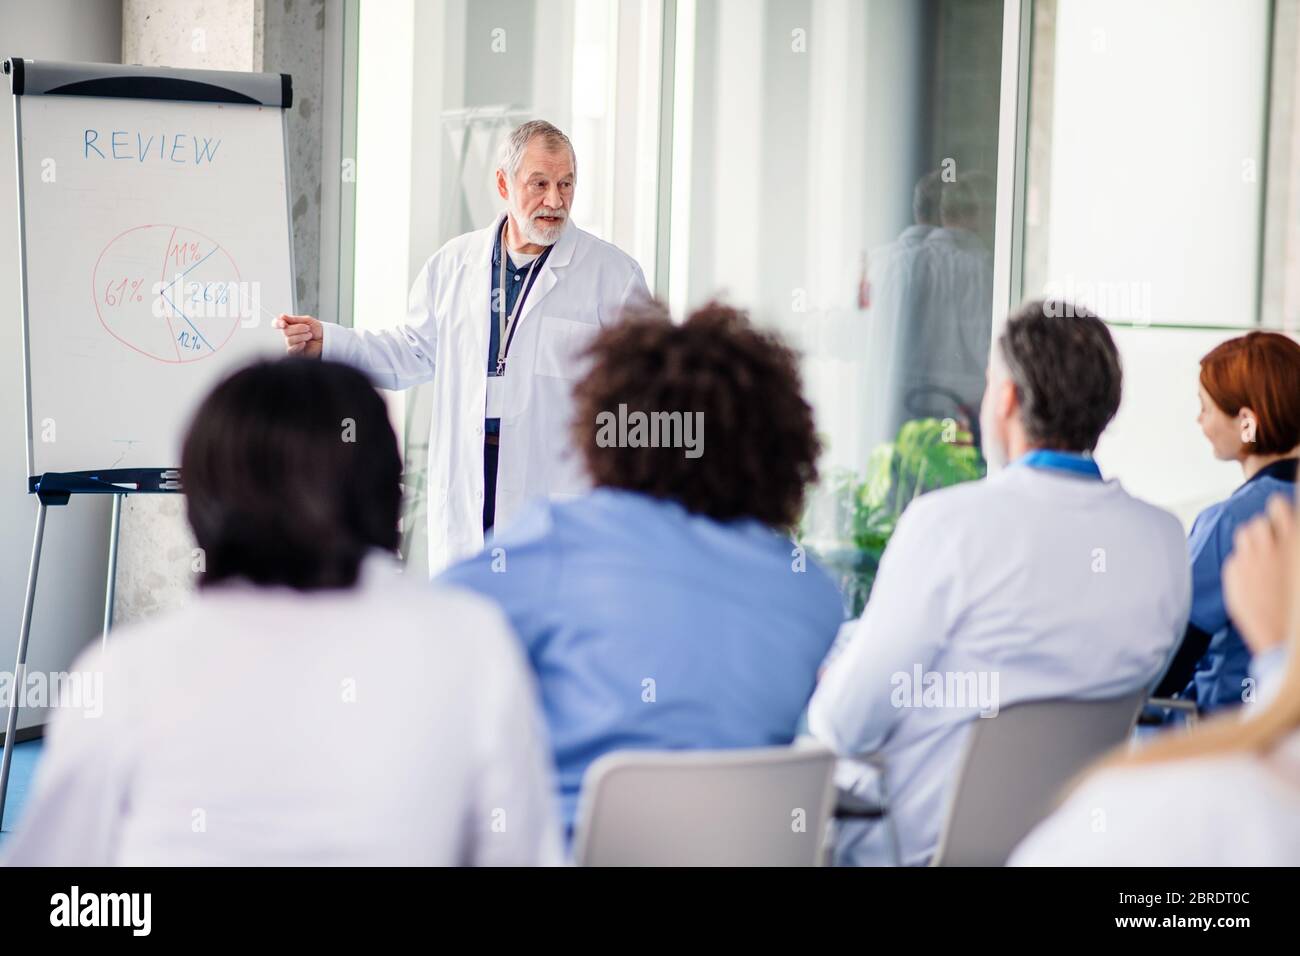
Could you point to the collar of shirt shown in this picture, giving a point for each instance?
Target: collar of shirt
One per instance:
(1283, 470)
(376, 565)
(1068, 461)
(624, 502)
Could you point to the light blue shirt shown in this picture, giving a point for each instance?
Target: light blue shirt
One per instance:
(649, 627)
(1222, 672)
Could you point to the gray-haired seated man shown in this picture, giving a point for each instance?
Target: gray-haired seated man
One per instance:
(1042, 581)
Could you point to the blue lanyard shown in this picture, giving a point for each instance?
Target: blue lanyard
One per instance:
(508, 320)
(1081, 465)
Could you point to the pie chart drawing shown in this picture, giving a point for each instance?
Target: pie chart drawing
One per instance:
(168, 292)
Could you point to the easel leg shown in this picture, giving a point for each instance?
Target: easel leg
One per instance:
(110, 591)
(20, 666)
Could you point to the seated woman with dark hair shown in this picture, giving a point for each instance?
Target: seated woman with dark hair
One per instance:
(1250, 413)
(309, 706)
(668, 608)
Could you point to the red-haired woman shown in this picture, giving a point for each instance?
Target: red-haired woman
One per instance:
(1250, 413)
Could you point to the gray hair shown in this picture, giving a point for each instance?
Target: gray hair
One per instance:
(512, 150)
(1067, 372)
(925, 198)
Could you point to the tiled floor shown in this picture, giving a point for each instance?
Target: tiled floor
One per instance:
(20, 779)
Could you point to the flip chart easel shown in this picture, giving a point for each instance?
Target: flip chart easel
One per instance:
(121, 170)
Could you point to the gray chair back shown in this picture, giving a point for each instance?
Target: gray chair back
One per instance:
(1016, 767)
(758, 807)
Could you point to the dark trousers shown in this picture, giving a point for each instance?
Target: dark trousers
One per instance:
(490, 454)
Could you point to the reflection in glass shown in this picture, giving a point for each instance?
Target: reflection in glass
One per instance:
(833, 173)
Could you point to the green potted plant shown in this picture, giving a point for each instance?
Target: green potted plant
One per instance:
(928, 453)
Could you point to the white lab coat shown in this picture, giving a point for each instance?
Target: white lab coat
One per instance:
(583, 285)
(933, 291)
(1230, 810)
(1054, 585)
(1238, 810)
(391, 724)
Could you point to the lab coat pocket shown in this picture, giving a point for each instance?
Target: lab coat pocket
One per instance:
(560, 345)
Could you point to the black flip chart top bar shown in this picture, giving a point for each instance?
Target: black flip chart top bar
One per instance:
(55, 487)
(57, 78)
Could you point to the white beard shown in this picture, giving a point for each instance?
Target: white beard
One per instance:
(533, 232)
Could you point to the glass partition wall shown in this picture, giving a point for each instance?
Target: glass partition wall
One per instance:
(828, 165)
(439, 85)
(837, 167)
(834, 171)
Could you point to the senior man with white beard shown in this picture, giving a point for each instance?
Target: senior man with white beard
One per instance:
(496, 320)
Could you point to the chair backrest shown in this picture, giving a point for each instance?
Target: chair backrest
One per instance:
(1016, 766)
(765, 806)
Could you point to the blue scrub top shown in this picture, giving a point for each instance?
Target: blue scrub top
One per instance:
(649, 627)
(1221, 673)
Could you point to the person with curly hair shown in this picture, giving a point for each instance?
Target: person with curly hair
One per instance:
(668, 608)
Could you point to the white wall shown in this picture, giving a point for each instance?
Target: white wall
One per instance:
(70, 596)
(383, 265)
(1158, 155)
(1155, 212)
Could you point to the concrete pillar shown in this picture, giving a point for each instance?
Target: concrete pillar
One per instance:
(155, 563)
(293, 42)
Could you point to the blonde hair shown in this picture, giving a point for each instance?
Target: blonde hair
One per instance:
(1230, 735)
